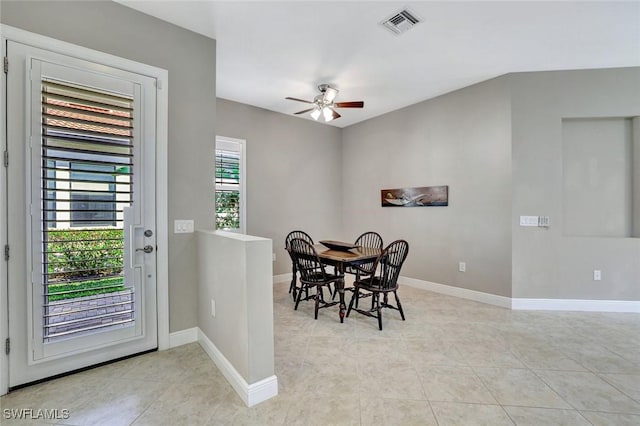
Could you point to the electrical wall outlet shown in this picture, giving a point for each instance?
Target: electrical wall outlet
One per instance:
(274, 256)
(183, 226)
(597, 275)
(462, 267)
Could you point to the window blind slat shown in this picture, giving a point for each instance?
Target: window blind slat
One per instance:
(75, 121)
(91, 161)
(50, 87)
(94, 115)
(87, 150)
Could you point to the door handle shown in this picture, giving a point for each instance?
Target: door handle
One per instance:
(146, 249)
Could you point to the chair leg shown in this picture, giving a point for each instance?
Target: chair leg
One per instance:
(318, 294)
(333, 292)
(379, 308)
(299, 297)
(335, 288)
(354, 296)
(399, 305)
(292, 287)
(357, 279)
(293, 280)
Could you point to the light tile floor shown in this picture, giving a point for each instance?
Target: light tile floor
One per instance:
(453, 362)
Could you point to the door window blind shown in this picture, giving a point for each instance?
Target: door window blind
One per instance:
(87, 159)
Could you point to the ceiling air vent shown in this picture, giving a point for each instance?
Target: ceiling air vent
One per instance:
(401, 21)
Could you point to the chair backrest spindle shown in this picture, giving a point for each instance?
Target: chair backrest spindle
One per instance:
(307, 261)
(297, 234)
(369, 239)
(390, 263)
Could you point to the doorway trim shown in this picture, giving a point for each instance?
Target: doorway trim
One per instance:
(162, 220)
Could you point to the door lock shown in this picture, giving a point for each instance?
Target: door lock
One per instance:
(148, 233)
(146, 249)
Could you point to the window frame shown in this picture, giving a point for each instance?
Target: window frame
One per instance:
(112, 201)
(240, 146)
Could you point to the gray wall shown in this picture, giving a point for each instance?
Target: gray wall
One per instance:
(235, 271)
(499, 147)
(597, 166)
(461, 139)
(191, 61)
(635, 148)
(550, 263)
(294, 174)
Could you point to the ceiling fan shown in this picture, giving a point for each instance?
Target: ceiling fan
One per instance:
(324, 104)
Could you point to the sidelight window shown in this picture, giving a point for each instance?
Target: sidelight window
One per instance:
(230, 184)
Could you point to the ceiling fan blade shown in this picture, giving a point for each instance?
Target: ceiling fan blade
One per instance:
(303, 111)
(352, 104)
(335, 114)
(299, 100)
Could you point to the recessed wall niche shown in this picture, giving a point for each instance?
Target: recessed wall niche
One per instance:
(601, 168)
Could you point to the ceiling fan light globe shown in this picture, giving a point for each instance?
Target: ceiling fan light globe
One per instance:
(330, 94)
(315, 114)
(328, 114)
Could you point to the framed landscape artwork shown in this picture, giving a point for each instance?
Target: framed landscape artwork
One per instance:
(425, 196)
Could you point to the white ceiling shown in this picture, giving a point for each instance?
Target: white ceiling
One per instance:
(269, 50)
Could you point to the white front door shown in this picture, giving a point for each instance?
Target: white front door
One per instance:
(81, 213)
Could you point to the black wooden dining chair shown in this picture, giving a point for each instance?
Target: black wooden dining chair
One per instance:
(365, 268)
(293, 287)
(312, 274)
(362, 269)
(388, 264)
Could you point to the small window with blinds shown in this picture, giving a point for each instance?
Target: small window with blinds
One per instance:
(94, 209)
(229, 183)
(87, 159)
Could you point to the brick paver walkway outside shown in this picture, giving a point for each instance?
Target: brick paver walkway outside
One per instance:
(85, 314)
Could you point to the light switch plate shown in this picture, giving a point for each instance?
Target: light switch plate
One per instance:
(528, 220)
(183, 226)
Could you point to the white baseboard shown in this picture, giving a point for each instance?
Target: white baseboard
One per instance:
(575, 305)
(182, 337)
(262, 390)
(526, 304)
(251, 394)
(478, 296)
(282, 278)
